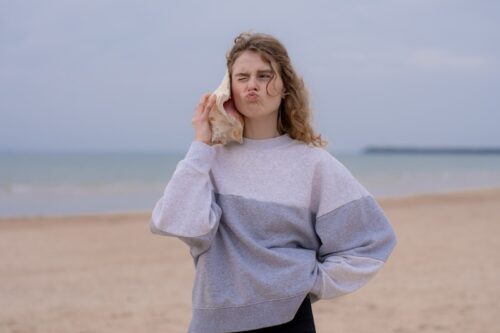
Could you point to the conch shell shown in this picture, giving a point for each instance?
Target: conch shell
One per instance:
(226, 125)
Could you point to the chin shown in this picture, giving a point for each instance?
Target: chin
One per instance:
(250, 112)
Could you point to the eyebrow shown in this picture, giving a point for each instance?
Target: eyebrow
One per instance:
(262, 71)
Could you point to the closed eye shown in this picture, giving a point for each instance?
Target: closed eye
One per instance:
(260, 76)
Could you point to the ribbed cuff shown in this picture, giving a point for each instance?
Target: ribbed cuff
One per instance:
(315, 291)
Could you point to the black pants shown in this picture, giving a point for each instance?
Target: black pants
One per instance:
(303, 322)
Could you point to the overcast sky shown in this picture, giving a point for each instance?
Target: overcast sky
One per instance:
(127, 75)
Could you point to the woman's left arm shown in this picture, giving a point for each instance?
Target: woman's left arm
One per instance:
(356, 240)
(356, 236)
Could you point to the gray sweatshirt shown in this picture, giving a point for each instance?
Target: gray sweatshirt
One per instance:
(269, 222)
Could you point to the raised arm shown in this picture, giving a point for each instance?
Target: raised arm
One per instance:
(188, 209)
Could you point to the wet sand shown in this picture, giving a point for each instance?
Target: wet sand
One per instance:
(108, 273)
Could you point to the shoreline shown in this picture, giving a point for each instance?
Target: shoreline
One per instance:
(141, 213)
(440, 194)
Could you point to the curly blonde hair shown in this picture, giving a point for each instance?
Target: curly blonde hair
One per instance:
(294, 116)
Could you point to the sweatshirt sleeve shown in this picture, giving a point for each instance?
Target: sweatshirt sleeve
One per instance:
(188, 209)
(356, 236)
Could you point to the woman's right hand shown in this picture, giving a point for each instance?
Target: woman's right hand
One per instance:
(200, 119)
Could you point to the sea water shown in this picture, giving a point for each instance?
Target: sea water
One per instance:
(33, 184)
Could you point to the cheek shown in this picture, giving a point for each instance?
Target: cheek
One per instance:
(275, 87)
(237, 92)
(236, 97)
(276, 103)
(274, 92)
(234, 92)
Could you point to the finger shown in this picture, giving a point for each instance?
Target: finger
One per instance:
(213, 99)
(201, 105)
(210, 103)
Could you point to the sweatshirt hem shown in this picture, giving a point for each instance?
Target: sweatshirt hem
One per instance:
(251, 304)
(246, 317)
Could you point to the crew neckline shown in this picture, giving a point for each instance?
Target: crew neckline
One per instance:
(267, 143)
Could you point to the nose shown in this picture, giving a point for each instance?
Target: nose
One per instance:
(252, 83)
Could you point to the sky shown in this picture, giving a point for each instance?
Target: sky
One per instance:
(109, 75)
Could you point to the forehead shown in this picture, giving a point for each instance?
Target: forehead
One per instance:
(250, 61)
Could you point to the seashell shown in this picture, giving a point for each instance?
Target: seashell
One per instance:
(226, 126)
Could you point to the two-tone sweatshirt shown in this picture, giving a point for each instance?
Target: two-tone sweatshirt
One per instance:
(269, 222)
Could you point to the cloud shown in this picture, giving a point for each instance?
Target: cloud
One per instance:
(433, 58)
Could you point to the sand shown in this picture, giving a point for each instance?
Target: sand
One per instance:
(107, 273)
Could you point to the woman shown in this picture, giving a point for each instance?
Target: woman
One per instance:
(277, 222)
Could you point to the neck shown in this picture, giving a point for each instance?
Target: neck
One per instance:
(261, 128)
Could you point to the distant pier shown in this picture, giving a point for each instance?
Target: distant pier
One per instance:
(428, 150)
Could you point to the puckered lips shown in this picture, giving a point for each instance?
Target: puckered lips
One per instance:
(252, 96)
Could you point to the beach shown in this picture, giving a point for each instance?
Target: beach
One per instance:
(108, 273)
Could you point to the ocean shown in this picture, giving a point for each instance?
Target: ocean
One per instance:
(39, 184)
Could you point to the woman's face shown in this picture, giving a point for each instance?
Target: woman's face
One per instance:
(254, 94)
